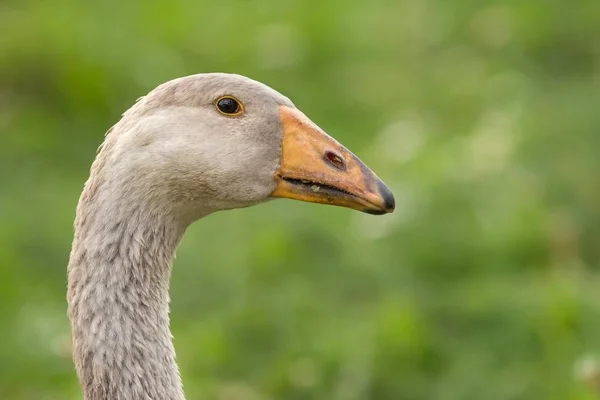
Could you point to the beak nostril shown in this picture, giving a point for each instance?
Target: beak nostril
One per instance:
(335, 160)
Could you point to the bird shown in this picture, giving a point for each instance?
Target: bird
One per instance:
(192, 146)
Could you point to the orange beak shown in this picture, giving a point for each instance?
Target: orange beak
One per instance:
(318, 169)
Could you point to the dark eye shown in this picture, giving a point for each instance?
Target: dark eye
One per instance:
(229, 106)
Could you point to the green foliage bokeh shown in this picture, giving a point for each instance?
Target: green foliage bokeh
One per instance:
(484, 119)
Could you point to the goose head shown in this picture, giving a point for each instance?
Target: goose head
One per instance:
(211, 142)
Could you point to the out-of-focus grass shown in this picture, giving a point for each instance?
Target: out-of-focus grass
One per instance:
(482, 116)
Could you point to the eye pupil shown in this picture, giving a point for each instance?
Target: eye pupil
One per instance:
(227, 105)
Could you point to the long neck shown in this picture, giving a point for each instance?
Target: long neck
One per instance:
(118, 296)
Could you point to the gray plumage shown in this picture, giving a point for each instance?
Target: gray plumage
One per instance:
(172, 159)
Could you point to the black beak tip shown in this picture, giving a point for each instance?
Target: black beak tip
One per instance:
(389, 203)
(375, 211)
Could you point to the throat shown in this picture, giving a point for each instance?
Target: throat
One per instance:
(118, 294)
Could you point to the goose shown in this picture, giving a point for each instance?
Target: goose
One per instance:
(193, 146)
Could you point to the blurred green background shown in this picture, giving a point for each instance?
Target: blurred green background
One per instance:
(483, 117)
